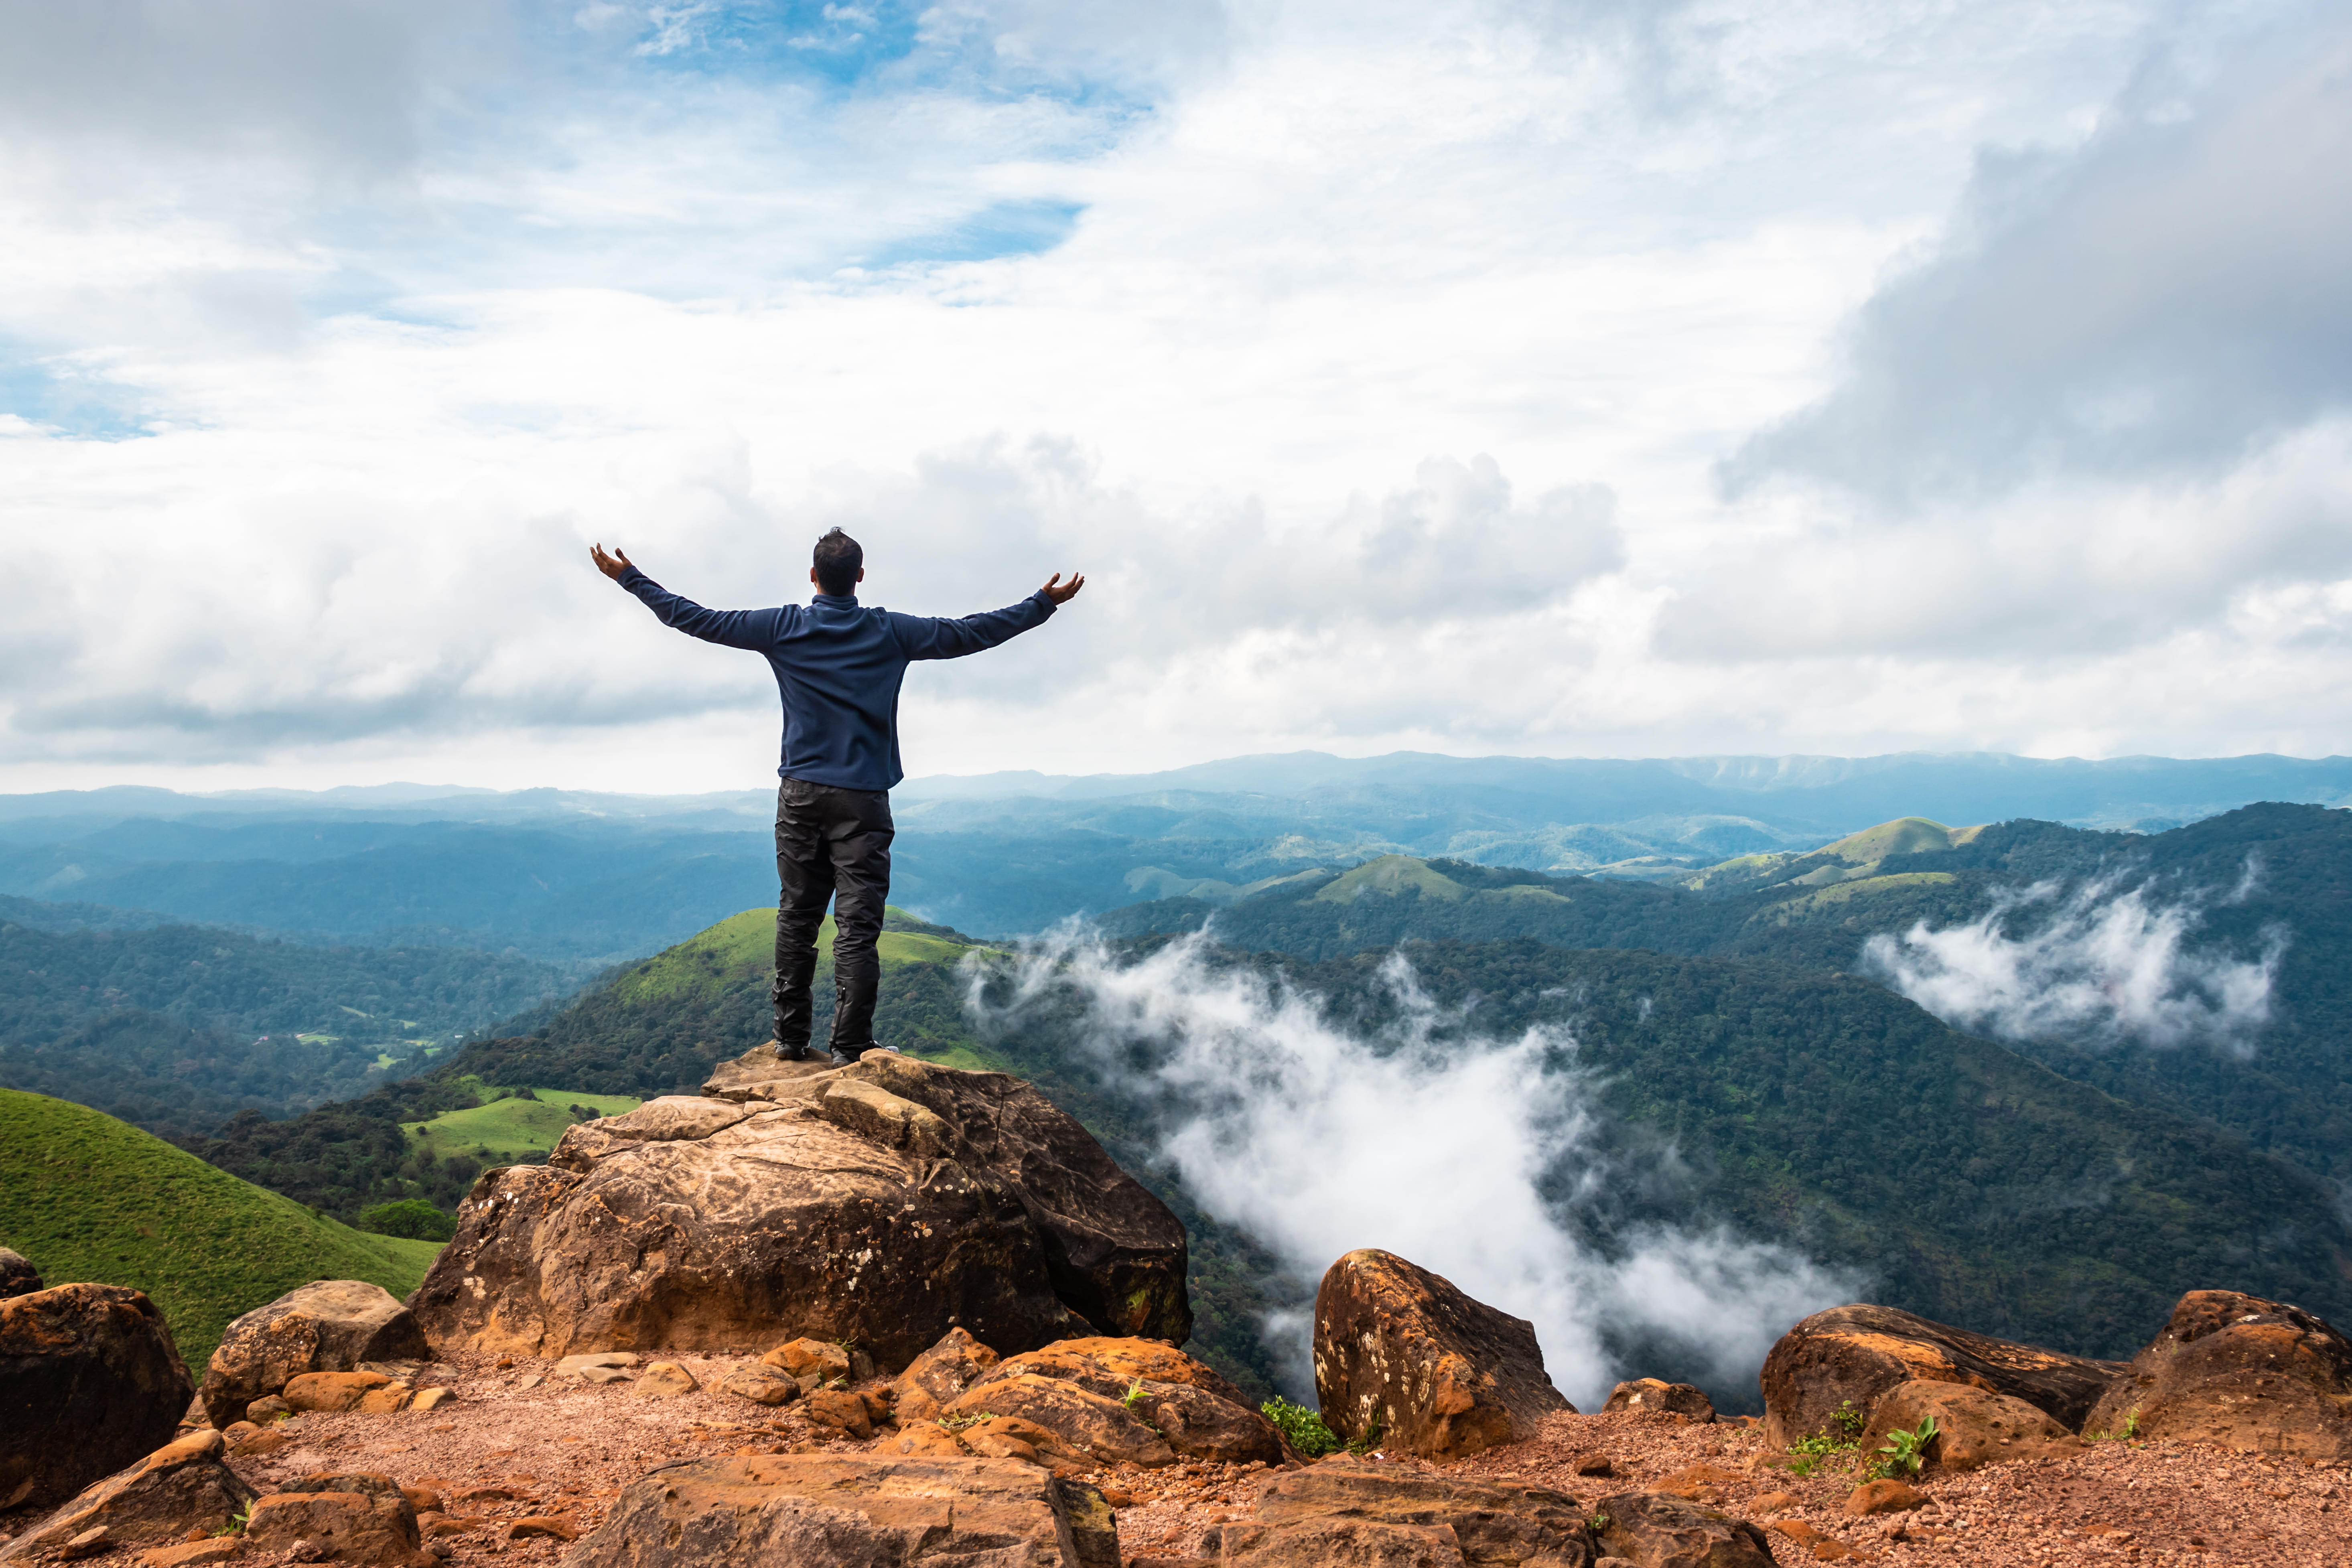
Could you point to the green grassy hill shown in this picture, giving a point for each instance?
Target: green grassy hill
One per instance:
(90, 1199)
(507, 1130)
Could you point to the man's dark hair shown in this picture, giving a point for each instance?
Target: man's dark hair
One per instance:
(837, 560)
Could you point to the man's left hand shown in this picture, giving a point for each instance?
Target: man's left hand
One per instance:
(1061, 593)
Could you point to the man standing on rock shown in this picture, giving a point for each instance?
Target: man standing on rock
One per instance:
(838, 665)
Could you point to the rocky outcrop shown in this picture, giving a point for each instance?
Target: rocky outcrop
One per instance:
(2241, 1373)
(1657, 1530)
(17, 1274)
(90, 1382)
(1853, 1355)
(1974, 1426)
(1648, 1393)
(331, 1325)
(824, 1512)
(1117, 1401)
(183, 1487)
(1439, 1374)
(1345, 1511)
(882, 1204)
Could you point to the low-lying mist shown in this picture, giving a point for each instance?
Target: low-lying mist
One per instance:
(1471, 1155)
(2097, 966)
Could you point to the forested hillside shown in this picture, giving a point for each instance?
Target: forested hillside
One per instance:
(177, 1027)
(2262, 880)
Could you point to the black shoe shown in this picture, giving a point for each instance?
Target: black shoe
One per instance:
(841, 1058)
(795, 1053)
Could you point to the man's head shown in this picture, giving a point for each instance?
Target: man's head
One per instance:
(839, 565)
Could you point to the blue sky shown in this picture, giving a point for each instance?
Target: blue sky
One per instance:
(1572, 378)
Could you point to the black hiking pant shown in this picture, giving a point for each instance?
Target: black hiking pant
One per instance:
(831, 845)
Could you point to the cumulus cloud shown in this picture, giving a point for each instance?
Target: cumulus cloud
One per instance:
(1474, 1157)
(2170, 295)
(2104, 964)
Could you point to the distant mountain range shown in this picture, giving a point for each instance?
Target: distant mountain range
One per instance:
(595, 878)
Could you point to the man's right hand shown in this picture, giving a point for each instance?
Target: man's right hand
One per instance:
(1061, 593)
(612, 565)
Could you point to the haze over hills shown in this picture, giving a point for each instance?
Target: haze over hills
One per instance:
(582, 877)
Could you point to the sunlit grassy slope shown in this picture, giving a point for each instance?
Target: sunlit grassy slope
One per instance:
(87, 1197)
(504, 1130)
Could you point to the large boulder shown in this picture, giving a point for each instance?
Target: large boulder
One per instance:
(819, 1510)
(362, 1520)
(884, 1204)
(1439, 1374)
(17, 1274)
(1356, 1512)
(184, 1486)
(2242, 1373)
(1974, 1426)
(331, 1325)
(90, 1382)
(1135, 1401)
(1853, 1355)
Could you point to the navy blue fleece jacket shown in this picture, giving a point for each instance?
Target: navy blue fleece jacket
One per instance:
(838, 667)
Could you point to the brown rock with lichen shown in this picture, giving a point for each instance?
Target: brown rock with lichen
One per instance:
(332, 1391)
(329, 1325)
(1658, 1397)
(839, 1409)
(941, 1375)
(2238, 1372)
(351, 1527)
(1856, 1354)
(883, 1203)
(1974, 1426)
(1349, 1510)
(1660, 1532)
(824, 1508)
(1166, 1401)
(182, 1487)
(89, 1382)
(1439, 1374)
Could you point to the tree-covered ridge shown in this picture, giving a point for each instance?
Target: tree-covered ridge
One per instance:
(176, 1027)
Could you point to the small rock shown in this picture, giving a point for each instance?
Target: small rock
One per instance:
(17, 1274)
(666, 1380)
(267, 1409)
(1885, 1497)
(936, 1378)
(581, 1366)
(1825, 1547)
(1974, 1426)
(194, 1553)
(451, 1524)
(386, 1401)
(1654, 1529)
(840, 1410)
(432, 1398)
(424, 1500)
(929, 1439)
(761, 1385)
(89, 1543)
(1593, 1463)
(1697, 1481)
(547, 1526)
(332, 1391)
(532, 1381)
(801, 1358)
(1776, 1502)
(1667, 1398)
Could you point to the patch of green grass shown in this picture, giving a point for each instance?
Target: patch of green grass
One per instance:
(90, 1199)
(512, 1128)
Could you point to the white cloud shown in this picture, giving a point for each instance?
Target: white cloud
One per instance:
(1377, 384)
(2101, 965)
(1318, 1139)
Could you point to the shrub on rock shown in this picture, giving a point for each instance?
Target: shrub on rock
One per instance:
(90, 1382)
(2238, 1371)
(182, 1487)
(329, 1326)
(1400, 1350)
(800, 1206)
(1855, 1355)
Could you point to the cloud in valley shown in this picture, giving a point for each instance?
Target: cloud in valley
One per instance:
(1470, 1155)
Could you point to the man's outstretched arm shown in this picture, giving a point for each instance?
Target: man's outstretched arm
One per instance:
(729, 629)
(925, 636)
